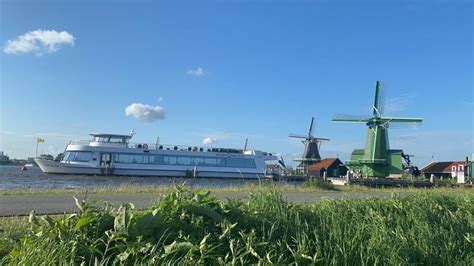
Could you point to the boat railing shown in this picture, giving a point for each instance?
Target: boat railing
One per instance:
(154, 146)
(79, 142)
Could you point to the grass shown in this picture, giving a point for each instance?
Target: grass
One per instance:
(193, 227)
(318, 184)
(11, 230)
(311, 185)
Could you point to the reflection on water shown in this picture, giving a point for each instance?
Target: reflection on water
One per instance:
(12, 178)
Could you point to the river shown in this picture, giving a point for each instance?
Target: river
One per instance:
(12, 178)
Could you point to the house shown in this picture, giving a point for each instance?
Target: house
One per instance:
(332, 166)
(457, 169)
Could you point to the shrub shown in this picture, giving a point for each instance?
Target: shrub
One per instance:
(318, 184)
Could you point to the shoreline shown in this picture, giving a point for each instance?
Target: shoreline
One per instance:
(245, 188)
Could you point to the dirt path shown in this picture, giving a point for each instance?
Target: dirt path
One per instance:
(16, 205)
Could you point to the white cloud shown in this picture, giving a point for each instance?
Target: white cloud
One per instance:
(39, 42)
(208, 140)
(198, 72)
(145, 112)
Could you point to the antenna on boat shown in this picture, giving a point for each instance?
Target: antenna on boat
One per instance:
(132, 132)
(246, 142)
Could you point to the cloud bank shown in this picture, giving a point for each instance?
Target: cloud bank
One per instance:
(145, 112)
(39, 42)
(198, 72)
(208, 140)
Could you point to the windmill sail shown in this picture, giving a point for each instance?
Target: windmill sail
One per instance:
(297, 136)
(310, 132)
(350, 118)
(379, 100)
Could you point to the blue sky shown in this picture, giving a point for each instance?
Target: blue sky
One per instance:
(228, 71)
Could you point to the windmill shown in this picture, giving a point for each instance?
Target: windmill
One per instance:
(377, 159)
(311, 148)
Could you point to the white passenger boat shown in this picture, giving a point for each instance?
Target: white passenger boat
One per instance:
(112, 154)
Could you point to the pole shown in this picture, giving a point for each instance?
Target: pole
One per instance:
(36, 154)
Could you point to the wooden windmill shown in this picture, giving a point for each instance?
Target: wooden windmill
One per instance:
(311, 149)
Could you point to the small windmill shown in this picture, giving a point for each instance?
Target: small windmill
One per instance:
(377, 160)
(311, 148)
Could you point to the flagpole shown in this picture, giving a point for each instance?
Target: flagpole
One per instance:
(36, 155)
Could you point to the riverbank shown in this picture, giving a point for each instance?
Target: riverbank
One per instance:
(243, 188)
(58, 201)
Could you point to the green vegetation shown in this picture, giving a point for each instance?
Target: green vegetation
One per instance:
(318, 184)
(309, 186)
(189, 227)
(11, 230)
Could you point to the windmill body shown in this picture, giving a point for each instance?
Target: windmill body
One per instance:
(377, 159)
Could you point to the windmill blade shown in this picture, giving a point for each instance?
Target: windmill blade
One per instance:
(320, 139)
(297, 136)
(379, 99)
(400, 120)
(395, 125)
(382, 96)
(310, 133)
(350, 118)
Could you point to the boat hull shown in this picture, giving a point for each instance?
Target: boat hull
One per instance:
(52, 167)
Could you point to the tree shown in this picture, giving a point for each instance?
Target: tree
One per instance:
(48, 157)
(59, 157)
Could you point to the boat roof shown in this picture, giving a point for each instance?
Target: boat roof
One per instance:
(96, 134)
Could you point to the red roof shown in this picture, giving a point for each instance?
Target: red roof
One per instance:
(326, 163)
(441, 167)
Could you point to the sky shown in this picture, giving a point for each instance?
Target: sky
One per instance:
(217, 72)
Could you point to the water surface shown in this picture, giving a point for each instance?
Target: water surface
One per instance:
(12, 178)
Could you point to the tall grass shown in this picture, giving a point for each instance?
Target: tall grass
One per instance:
(189, 227)
(314, 183)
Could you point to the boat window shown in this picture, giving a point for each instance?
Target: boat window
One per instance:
(117, 140)
(66, 156)
(137, 158)
(184, 160)
(197, 161)
(158, 159)
(235, 162)
(210, 161)
(168, 159)
(79, 156)
(151, 159)
(122, 158)
(250, 163)
(221, 162)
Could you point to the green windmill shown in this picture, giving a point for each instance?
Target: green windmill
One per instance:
(377, 159)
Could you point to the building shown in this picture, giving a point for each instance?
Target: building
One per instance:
(460, 170)
(4, 159)
(333, 167)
